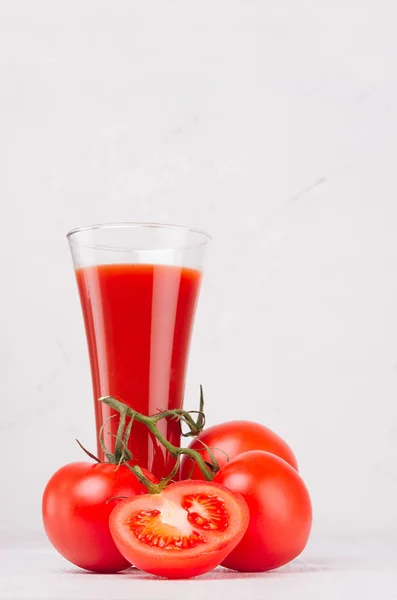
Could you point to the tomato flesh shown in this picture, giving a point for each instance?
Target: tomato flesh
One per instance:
(206, 511)
(185, 531)
(149, 529)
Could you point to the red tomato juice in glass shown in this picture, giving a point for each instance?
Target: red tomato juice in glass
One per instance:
(138, 321)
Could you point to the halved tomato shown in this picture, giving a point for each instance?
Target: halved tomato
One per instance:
(185, 531)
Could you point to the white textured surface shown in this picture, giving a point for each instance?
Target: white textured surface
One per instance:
(328, 571)
(274, 126)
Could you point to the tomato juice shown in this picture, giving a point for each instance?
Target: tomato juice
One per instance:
(138, 320)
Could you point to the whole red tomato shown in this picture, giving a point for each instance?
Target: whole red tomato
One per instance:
(184, 531)
(77, 503)
(228, 440)
(280, 511)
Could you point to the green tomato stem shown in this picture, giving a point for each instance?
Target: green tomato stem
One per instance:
(175, 451)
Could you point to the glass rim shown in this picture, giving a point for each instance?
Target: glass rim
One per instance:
(135, 224)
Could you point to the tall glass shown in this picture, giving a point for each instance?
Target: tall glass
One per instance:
(139, 285)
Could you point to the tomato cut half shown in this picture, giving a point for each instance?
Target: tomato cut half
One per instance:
(185, 531)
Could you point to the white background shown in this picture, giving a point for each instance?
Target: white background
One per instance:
(273, 125)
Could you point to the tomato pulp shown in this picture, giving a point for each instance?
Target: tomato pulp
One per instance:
(138, 321)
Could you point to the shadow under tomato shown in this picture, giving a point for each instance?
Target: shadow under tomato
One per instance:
(299, 566)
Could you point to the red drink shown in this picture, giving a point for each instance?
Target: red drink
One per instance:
(138, 321)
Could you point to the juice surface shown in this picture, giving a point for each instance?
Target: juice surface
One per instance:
(138, 321)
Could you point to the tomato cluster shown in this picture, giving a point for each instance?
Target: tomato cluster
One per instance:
(254, 515)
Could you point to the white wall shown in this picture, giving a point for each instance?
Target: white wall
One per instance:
(273, 125)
